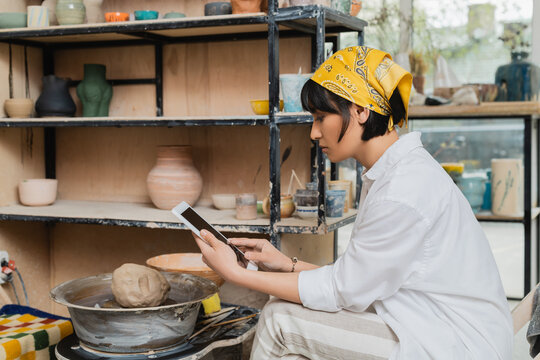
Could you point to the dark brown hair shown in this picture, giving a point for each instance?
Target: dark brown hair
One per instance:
(316, 98)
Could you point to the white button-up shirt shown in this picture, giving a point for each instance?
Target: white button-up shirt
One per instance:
(418, 254)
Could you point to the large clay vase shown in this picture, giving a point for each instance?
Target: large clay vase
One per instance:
(51, 7)
(94, 91)
(520, 79)
(174, 178)
(94, 13)
(55, 99)
(70, 12)
(246, 6)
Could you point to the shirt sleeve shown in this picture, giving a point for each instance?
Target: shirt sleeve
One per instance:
(387, 249)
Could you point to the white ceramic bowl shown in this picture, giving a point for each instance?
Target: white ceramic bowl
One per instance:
(224, 201)
(38, 192)
(306, 212)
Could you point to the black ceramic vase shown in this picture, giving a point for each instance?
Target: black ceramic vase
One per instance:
(55, 99)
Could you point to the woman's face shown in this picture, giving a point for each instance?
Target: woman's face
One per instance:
(327, 127)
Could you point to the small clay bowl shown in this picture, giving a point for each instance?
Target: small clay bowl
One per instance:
(224, 201)
(19, 108)
(187, 263)
(10, 20)
(146, 14)
(116, 16)
(262, 107)
(217, 8)
(38, 192)
(174, 15)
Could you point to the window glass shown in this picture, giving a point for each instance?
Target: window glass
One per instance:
(474, 37)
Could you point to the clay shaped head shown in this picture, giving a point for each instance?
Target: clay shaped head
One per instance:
(139, 286)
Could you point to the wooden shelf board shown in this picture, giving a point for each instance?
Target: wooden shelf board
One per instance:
(136, 121)
(188, 26)
(146, 215)
(488, 216)
(172, 28)
(495, 109)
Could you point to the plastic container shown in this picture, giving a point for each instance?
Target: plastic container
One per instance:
(335, 202)
(246, 206)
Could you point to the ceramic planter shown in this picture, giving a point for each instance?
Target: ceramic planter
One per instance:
(70, 12)
(174, 178)
(55, 99)
(473, 188)
(38, 16)
(245, 6)
(94, 91)
(291, 87)
(521, 79)
(286, 205)
(19, 108)
(507, 187)
(38, 192)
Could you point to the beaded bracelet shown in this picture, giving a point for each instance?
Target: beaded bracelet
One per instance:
(294, 261)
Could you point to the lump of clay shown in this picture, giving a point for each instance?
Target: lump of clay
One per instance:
(139, 286)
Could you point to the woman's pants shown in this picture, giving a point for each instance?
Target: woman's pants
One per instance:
(291, 331)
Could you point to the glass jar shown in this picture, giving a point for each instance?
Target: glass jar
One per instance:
(246, 206)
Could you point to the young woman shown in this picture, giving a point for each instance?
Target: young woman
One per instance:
(418, 279)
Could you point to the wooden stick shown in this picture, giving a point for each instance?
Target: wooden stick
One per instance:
(234, 320)
(290, 184)
(298, 180)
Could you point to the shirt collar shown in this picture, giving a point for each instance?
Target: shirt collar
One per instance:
(405, 144)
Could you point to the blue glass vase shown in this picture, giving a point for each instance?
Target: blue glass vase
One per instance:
(519, 80)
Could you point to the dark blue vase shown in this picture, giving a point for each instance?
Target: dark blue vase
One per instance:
(519, 80)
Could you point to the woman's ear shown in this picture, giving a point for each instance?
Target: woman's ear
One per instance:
(359, 113)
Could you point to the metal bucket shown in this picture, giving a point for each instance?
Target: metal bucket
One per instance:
(129, 330)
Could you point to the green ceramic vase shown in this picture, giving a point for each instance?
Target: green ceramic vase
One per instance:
(94, 91)
(70, 12)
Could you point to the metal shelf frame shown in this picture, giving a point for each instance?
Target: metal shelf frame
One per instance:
(315, 21)
(531, 141)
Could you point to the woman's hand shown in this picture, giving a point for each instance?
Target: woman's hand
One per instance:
(264, 254)
(218, 255)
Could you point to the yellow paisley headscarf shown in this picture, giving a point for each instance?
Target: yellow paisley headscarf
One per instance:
(366, 77)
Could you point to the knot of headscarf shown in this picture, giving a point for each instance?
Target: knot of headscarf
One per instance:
(367, 77)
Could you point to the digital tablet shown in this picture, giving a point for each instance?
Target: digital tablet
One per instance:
(196, 223)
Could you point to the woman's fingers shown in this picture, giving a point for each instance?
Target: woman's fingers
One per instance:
(252, 243)
(210, 239)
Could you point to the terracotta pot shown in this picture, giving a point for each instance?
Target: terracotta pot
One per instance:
(246, 6)
(174, 178)
(186, 263)
(19, 108)
(38, 192)
(356, 6)
(286, 205)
